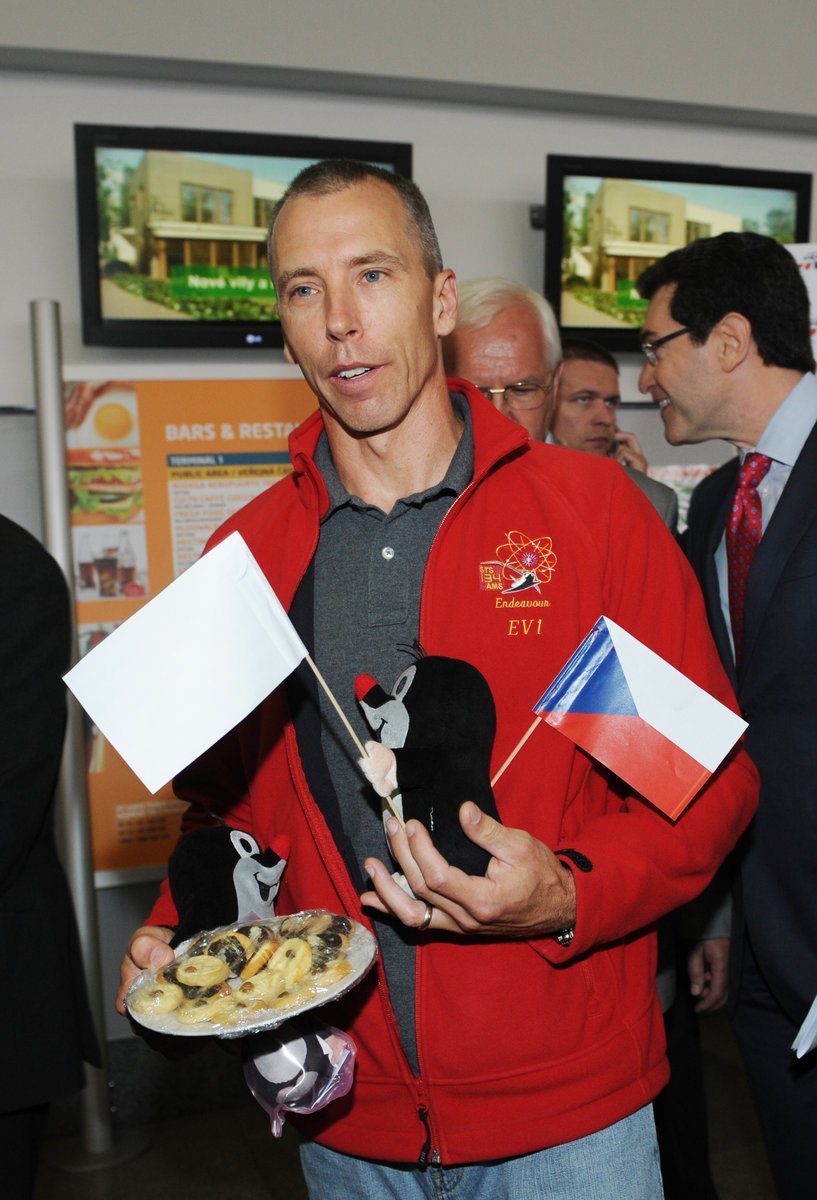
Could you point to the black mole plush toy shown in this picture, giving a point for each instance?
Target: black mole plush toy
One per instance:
(436, 729)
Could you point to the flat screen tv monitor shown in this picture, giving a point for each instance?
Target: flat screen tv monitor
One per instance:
(172, 230)
(608, 219)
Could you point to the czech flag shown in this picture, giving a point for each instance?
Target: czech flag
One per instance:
(640, 716)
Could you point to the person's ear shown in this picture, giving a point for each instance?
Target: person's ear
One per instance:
(734, 340)
(445, 302)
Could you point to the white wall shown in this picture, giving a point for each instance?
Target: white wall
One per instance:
(751, 56)
(480, 168)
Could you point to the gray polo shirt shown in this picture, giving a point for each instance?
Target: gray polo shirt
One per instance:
(369, 570)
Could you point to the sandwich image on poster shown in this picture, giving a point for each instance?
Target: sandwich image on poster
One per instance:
(640, 716)
(188, 666)
(104, 486)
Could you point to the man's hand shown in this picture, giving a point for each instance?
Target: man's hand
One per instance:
(627, 449)
(526, 892)
(708, 964)
(149, 948)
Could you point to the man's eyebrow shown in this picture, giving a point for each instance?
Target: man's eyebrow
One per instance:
(376, 258)
(297, 273)
(372, 258)
(596, 393)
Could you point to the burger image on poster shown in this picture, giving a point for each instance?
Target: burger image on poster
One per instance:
(103, 454)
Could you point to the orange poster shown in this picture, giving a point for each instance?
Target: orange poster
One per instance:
(153, 467)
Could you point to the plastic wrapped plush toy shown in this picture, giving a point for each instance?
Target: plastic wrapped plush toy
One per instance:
(299, 1068)
(436, 729)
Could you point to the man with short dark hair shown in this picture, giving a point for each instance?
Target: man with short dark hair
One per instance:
(508, 1039)
(585, 417)
(727, 342)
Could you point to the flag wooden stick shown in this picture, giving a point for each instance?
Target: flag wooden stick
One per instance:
(357, 742)
(514, 752)
(337, 707)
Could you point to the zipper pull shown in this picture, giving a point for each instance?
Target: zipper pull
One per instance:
(425, 1152)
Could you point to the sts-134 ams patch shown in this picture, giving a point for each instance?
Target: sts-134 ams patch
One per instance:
(522, 563)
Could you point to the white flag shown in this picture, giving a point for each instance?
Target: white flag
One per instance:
(190, 664)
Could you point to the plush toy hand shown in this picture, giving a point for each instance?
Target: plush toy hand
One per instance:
(380, 768)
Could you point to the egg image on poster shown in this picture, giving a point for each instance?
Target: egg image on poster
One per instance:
(113, 421)
(99, 416)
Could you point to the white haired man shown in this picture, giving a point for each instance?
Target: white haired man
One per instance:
(506, 341)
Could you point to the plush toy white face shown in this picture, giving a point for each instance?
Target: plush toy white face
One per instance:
(390, 720)
(256, 885)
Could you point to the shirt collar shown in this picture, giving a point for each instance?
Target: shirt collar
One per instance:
(787, 431)
(456, 479)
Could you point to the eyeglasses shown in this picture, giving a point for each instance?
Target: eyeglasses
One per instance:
(649, 348)
(519, 395)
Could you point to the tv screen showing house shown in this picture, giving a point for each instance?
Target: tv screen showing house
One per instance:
(173, 227)
(608, 220)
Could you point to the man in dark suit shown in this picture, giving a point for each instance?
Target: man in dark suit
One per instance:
(728, 352)
(45, 1023)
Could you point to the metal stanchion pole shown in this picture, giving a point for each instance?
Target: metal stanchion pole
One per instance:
(98, 1147)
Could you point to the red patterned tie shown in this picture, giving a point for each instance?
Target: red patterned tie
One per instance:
(743, 530)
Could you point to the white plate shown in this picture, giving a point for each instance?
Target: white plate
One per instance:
(360, 954)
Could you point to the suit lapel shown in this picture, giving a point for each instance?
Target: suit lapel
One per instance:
(709, 524)
(789, 523)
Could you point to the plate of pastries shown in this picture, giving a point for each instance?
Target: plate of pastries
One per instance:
(242, 978)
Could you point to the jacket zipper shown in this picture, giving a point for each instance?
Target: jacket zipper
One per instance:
(459, 501)
(427, 1155)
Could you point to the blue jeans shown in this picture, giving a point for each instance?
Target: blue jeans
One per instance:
(617, 1163)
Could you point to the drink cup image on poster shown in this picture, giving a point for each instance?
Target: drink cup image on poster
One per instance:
(110, 562)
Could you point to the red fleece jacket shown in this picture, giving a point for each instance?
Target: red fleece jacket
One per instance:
(522, 1044)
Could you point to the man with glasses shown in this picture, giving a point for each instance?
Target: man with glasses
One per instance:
(727, 343)
(584, 418)
(506, 341)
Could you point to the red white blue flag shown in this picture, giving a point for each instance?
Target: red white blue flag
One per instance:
(641, 717)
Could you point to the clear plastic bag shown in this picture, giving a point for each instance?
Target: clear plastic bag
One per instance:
(299, 1067)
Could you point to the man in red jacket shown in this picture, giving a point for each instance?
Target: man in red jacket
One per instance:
(510, 1041)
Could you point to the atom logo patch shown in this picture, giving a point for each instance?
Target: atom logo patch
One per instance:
(521, 563)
